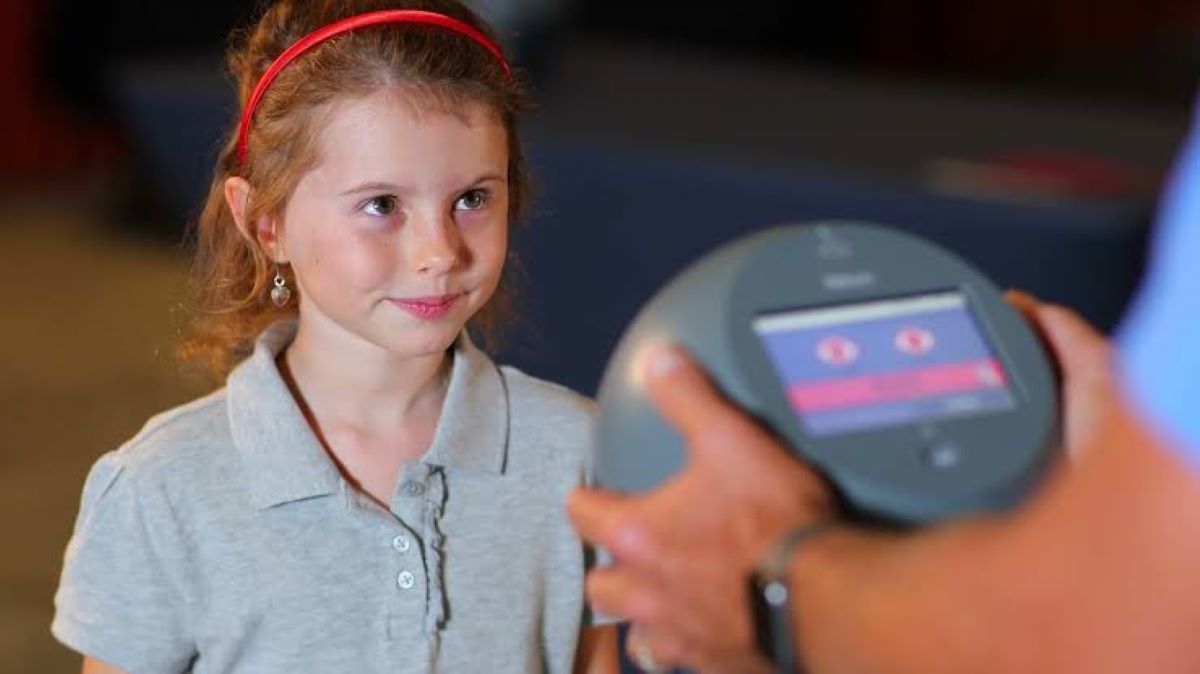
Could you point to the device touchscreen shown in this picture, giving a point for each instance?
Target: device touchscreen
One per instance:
(884, 362)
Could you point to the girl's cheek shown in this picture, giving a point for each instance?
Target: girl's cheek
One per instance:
(352, 261)
(488, 241)
(369, 264)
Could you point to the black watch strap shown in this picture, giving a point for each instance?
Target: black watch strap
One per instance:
(771, 599)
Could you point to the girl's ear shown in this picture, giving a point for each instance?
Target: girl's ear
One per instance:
(263, 231)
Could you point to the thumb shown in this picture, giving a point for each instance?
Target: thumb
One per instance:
(1089, 389)
(1083, 353)
(687, 398)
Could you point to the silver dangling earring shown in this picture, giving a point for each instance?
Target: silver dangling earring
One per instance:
(280, 294)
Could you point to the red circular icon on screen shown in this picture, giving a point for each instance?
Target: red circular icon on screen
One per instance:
(914, 341)
(837, 350)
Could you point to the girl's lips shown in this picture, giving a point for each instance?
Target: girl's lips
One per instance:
(427, 307)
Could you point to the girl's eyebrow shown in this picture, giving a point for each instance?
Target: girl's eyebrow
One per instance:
(392, 188)
(371, 187)
(489, 177)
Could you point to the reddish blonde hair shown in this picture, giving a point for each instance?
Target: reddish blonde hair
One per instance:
(443, 71)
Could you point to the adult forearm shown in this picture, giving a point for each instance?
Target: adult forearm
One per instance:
(1098, 574)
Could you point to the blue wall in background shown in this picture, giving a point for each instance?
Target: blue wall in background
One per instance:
(614, 223)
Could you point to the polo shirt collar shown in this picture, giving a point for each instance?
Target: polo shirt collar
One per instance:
(285, 460)
(472, 432)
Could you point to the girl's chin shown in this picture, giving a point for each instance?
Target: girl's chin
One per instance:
(424, 339)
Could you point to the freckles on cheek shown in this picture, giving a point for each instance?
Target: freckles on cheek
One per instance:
(347, 261)
(364, 265)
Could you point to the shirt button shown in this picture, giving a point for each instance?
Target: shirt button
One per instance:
(406, 580)
(412, 489)
(401, 543)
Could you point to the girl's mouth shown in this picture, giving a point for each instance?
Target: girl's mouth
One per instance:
(428, 308)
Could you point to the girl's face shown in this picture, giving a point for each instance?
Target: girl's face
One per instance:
(399, 234)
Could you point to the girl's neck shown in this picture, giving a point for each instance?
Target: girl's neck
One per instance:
(363, 385)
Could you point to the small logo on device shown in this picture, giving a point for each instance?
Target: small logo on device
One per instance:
(848, 280)
(831, 247)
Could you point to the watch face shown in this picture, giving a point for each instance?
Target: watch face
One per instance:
(884, 363)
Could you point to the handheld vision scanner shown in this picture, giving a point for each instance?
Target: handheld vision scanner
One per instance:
(889, 364)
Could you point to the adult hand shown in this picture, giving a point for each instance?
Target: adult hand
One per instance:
(1084, 357)
(683, 553)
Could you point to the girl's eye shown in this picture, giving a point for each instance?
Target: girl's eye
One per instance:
(381, 205)
(472, 201)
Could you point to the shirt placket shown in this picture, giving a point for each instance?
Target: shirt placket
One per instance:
(415, 546)
(397, 538)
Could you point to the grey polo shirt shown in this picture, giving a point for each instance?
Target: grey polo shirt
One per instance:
(223, 538)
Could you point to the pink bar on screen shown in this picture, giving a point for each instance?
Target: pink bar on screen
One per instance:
(895, 386)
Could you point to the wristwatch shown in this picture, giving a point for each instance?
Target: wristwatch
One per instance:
(771, 598)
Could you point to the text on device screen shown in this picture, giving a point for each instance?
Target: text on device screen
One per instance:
(884, 363)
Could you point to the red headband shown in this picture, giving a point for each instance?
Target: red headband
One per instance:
(344, 26)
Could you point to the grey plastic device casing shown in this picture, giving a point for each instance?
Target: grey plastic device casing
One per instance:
(882, 474)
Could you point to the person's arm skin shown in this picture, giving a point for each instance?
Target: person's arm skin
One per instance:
(94, 666)
(1098, 573)
(597, 652)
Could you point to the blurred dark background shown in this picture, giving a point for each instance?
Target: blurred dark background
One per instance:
(1031, 137)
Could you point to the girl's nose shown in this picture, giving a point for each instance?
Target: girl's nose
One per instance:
(434, 245)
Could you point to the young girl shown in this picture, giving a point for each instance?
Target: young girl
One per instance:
(368, 492)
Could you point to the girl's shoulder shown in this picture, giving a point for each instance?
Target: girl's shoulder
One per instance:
(543, 399)
(190, 427)
(175, 443)
(546, 418)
